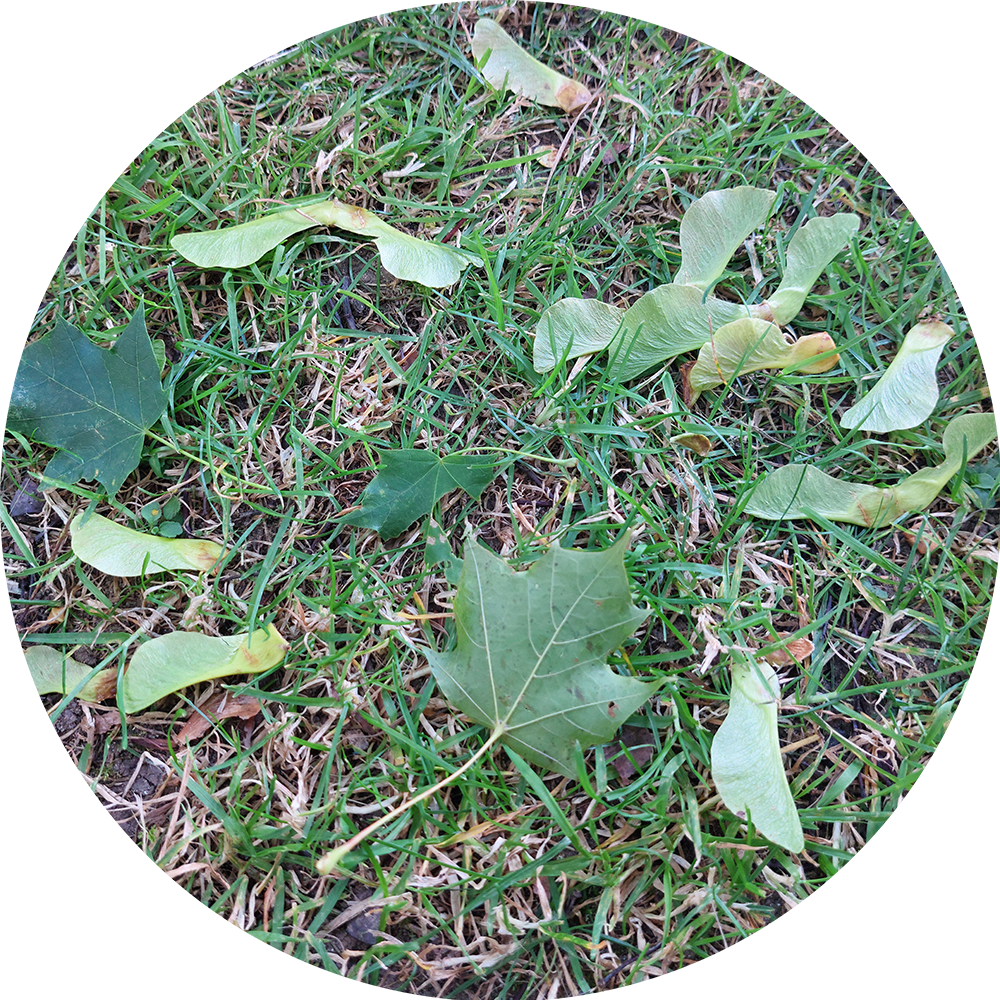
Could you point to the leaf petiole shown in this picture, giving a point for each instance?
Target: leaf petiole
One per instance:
(566, 463)
(217, 470)
(332, 859)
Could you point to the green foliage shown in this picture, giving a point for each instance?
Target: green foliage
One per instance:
(984, 480)
(164, 518)
(746, 757)
(115, 549)
(410, 481)
(532, 646)
(260, 386)
(437, 552)
(94, 405)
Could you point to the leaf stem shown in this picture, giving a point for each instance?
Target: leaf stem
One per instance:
(217, 470)
(564, 462)
(332, 859)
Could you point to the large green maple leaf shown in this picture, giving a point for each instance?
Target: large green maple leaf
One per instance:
(531, 660)
(93, 404)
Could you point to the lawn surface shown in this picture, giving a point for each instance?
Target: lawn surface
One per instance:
(278, 408)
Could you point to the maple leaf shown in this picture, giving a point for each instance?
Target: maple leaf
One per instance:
(410, 481)
(531, 661)
(94, 405)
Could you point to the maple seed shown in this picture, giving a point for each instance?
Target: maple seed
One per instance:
(794, 491)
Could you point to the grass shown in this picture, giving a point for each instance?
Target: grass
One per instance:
(276, 411)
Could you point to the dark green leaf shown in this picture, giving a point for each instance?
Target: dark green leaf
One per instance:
(437, 552)
(94, 405)
(410, 481)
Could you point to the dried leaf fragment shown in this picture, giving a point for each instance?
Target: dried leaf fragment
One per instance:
(634, 751)
(698, 443)
(222, 705)
(548, 156)
(791, 652)
(922, 539)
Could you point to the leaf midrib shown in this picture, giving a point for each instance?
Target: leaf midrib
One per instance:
(504, 724)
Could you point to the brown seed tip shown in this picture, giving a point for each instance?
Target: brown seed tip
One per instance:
(571, 96)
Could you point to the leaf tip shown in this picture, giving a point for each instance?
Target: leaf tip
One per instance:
(698, 443)
(332, 860)
(810, 346)
(573, 96)
(934, 331)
